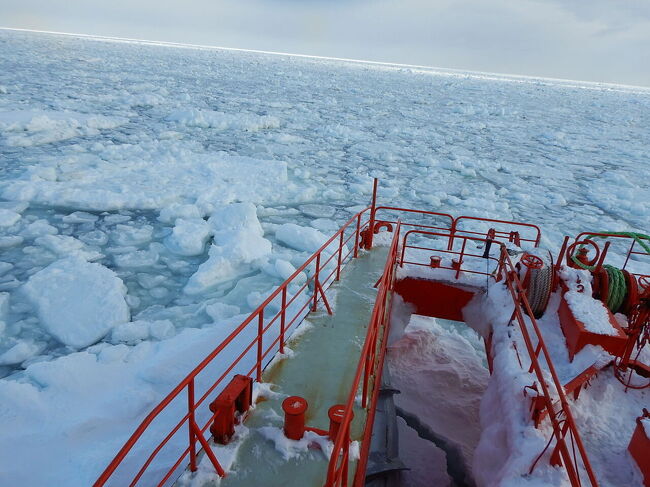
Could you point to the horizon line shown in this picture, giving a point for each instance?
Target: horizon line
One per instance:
(522, 78)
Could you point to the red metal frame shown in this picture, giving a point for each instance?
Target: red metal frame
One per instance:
(326, 261)
(639, 447)
(457, 264)
(368, 377)
(546, 402)
(438, 299)
(561, 427)
(630, 250)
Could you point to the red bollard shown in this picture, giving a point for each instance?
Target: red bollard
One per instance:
(294, 408)
(236, 396)
(223, 426)
(336, 414)
(435, 261)
(639, 447)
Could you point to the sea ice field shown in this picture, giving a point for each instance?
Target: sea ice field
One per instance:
(168, 189)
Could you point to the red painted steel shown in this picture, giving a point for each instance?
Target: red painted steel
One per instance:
(506, 236)
(639, 447)
(435, 298)
(458, 257)
(577, 335)
(294, 408)
(368, 376)
(561, 427)
(618, 238)
(335, 414)
(237, 396)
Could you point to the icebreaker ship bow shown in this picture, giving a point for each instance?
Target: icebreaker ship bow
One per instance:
(323, 336)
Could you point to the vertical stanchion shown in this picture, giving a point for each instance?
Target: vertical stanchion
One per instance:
(356, 236)
(452, 231)
(373, 207)
(316, 284)
(283, 317)
(460, 260)
(338, 264)
(603, 254)
(629, 252)
(190, 410)
(260, 330)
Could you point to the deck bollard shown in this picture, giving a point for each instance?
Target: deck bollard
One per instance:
(294, 408)
(336, 413)
(435, 261)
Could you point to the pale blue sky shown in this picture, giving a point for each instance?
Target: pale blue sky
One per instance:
(596, 40)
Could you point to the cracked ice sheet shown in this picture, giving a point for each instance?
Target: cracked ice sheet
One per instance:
(569, 156)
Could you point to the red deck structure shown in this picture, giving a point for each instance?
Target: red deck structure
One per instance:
(432, 298)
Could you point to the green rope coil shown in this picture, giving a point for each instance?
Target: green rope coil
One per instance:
(617, 288)
(617, 284)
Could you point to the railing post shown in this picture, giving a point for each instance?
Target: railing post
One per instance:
(338, 264)
(629, 252)
(316, 284)
(603, 254)
(283, 318)
(356, 236)
(190, 410)
(452, 231)
(260, 331)
(460, 259)
(401, 260)
(371, 225)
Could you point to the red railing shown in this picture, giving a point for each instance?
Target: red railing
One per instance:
(501, 230)
(571, 460)
(260, 335)
(562, 422)
(368, 377)
(533, 235)
(460, 255)
(619, 237)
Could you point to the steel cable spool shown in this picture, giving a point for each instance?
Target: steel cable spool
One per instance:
(539, 282)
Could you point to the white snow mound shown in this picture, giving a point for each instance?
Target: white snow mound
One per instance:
(77, 302)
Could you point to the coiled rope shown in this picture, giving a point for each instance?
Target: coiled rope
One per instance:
(617, 283)
(617, 288)
(540, 286)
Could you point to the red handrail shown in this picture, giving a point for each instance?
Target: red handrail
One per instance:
(521, 304)
(372, 355)
(188, 383)
(461, 254)
(630, 251)
(370, 368)
(560, 427)
(535, 241)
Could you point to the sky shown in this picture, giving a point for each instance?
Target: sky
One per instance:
(591, 40)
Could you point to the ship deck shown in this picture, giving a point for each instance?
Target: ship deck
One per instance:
(319, 368)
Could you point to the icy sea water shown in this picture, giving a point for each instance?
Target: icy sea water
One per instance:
(123, 131)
